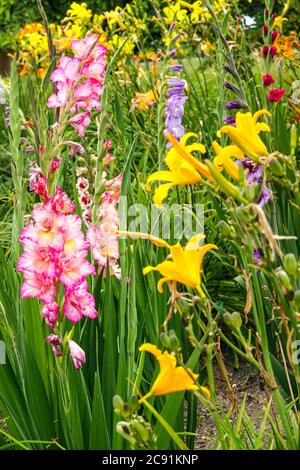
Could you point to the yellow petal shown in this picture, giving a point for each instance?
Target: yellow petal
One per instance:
(161, 193)
(151, 348)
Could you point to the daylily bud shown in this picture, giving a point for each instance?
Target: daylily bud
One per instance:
(250, 191)
(276, 167)
(165, 339)
(134, 402)
(118, 404)
(174, 341)
(284, 279)
(290, 264)
(77, 354)
(124, 430)
(141, 430)
(233, 320)
(225, 229)
(183, 306)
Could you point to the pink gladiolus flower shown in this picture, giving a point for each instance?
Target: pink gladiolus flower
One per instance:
(79, 81)
(275, 95)
(80, 122)
(61, 203)
(79, 302)
(55, 250)
(103, 238)
(267, 80)
(77, 354)
(50, 312)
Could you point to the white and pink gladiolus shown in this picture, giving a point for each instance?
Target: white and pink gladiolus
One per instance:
(79, 81)
(77, 354)
(103, 238)
(55, 252)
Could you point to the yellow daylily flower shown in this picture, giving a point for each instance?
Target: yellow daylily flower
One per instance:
(223, 158)
(170, 378)
(279, 21)
(245, 134)
(183, 167)
(186, 266)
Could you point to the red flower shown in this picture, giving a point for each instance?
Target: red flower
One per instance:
(274, 36)
(275, 95)
(272, 51)
(268, 79)
(265, 50)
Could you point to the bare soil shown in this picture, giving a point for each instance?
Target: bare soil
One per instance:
(244, 380)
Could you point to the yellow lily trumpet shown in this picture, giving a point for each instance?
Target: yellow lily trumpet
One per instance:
(245, 135)
(170, 378)
(223, 158)
(186, 266)
(184, 168)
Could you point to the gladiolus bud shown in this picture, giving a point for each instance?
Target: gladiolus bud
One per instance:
(265, 50)
(265, 30)
(77, 354)
(290, 264)
(274, 36)
(54, 165)
(273, 51)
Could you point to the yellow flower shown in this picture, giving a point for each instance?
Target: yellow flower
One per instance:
(78, 13)
(144, 100)
(245, 134)
(279, 21)
(223, 158)
(184, 168)
(186, 266)
(170, 378)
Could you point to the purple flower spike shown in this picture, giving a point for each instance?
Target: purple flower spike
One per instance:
(175, 107)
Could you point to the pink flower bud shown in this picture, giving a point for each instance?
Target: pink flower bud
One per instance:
(77, 354)
(273, 51)
(274, 36)
(265, 50)
(50, 312)
(54, 165)
(265, 30)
